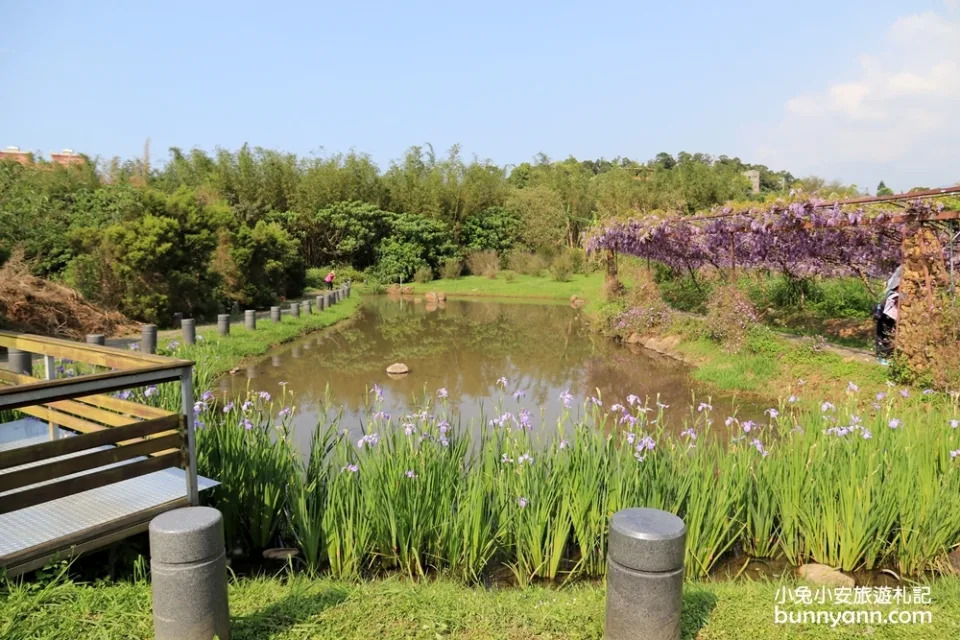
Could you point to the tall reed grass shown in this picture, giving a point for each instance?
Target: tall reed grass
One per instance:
(854, 483)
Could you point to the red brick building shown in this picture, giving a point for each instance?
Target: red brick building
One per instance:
(67, 158)
(15, 154)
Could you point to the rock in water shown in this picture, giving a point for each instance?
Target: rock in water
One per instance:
(820, 574)
(398, 368)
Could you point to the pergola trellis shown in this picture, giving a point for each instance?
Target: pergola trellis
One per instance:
(868, 237)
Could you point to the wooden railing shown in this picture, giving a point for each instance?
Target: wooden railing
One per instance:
(110, 430)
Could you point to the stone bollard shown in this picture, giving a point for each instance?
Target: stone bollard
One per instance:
(347, 287)
(321, 302)
(96, 338)
(295, 309)
(275, 314)
(189, 574)
(20, 361)
(250, 319)
(148, 338)
(644, 575)
(177, 319)
(223, 324)
(189, 327)
(307, 307)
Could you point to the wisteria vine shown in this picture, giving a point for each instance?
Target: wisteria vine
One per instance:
(800, 239)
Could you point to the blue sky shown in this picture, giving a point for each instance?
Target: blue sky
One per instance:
(859, 91)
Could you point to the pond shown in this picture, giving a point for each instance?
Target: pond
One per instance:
(465, 346)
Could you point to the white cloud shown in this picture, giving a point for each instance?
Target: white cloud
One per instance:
(900, 110)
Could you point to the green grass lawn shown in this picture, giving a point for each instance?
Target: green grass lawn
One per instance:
(521, 286)
(222, 353)
(300, 607)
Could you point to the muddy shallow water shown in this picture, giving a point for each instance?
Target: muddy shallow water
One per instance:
(465, 346)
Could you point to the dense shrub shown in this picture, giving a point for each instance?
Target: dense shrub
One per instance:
(525, 262)
(645, 308)
(730, 315)
(562, 267)
(483, 263)
(451, 269)
(264, 263)
(508, 275)
(494, 229)
(415, 241)
(423, 274)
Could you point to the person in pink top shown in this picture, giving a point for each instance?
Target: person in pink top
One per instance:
(329, 279)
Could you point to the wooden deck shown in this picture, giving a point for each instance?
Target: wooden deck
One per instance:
(81, 468)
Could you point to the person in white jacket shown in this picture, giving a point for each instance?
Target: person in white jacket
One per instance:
(887, 313)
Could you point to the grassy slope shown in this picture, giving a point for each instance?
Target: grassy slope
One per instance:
(221, 354)
(584, 286)
(321, 608)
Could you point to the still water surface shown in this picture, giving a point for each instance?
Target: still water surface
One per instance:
(465, 346)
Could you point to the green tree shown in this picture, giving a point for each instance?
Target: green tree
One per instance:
(884, 190)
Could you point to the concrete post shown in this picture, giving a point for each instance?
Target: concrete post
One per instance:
(644, 575)
(148, 338)
(96, 338)
(347, 286)
(189, 327)
(177, 319)
(250, 319)
(20, 361)
(223, 324)
(295, 309)
(189, 574)
(275, 314)
(307, 307)
(321, 302)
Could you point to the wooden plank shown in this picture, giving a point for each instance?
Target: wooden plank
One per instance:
(64, 446)
(63, 419)
(76, 464)
(124, 406)
(14, 397)
(103, 401)
(53, 491)
(92, 538)
(81, 351)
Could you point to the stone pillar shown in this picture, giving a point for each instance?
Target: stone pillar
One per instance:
(250, 319)
(177, 319)
(307, 307)
(20, 361)
(347, 287)
(275, 314)
(644, 575)
(189, 327)
(295, 309)
(223, 324)
(189, 574)
(321, 302)
(148, 338)
(96, 338)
